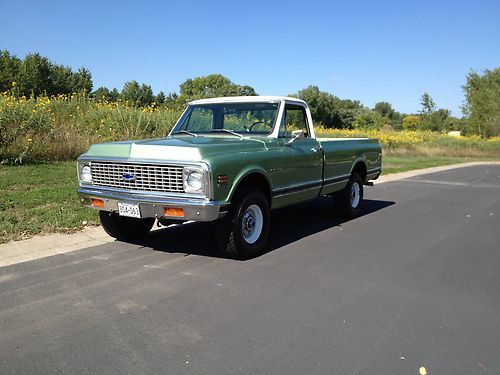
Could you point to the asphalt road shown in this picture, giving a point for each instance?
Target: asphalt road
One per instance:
(413, 282)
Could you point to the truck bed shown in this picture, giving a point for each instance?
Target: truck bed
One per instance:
(341, 154)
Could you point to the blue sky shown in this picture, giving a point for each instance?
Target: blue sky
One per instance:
(366, 50)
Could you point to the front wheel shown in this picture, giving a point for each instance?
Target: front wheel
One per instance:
(349, 201)
(243, 233)
(125, 228)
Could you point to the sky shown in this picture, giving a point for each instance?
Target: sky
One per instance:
(370, 51)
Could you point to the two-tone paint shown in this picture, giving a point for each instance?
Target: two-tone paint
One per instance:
(288, 173)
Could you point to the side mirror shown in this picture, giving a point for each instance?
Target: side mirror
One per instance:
(296, 134)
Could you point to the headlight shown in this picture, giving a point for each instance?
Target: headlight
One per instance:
(193, 180)
(85, 174)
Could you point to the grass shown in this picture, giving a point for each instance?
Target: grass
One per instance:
(42, 198)
(402, 163)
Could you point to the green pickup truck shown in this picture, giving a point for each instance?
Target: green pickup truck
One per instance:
(228, 161)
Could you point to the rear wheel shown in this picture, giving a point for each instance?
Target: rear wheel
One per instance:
(243, 233)
(125, 228)
(349, 201)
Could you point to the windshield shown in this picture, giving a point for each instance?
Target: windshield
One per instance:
(241, 118)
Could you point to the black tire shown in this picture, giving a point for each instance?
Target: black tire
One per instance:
(349, 201)
(238, 233)
(125, 228)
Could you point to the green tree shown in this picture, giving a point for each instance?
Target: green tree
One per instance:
(432, 118)
(136, 94)
(103, 93)
(438, 120)
(211, 86)
(428, 105)
(329, 110)
(61, 80)
(160, 98)
(9, 70)
(35, 75)
(384, 109)
(482, 102)
(369, 120)
(412, 122)
(82, 81)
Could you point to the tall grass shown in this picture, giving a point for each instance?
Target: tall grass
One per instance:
(62, 127)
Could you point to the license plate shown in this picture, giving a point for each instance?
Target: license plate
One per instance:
(130, 210)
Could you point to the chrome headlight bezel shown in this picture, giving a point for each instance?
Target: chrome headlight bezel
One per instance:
(199, 180)
(84, 173)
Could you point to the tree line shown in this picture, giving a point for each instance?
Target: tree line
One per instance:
(36, 75)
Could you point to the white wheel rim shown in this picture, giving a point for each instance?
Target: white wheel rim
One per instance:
(252, 223)
(355, 195)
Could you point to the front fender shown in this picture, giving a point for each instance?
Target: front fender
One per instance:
(245, 172)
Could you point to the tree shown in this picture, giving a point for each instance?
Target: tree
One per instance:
(35, 75)
(412, 122)
(368, 120)
(160, 98)
(137, 95)
(428, 105)
(432, 119)
(482, 102)
(211, 86)
(82, 81)
(9, 70)
(438, 120)
(329, 110)
(103, 93)
(61, 80)
(384, 109)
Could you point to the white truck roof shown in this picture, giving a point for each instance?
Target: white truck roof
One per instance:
(247, 99)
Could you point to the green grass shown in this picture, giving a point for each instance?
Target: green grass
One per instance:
(402, 163)
(42, 198)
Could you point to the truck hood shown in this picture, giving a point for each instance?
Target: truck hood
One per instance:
(178, 148)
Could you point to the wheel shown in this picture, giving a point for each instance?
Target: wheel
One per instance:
(349, 201)
(125, 228)
(243, 233)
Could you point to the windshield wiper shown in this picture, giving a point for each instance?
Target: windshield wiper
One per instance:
(185, 132)
(226, 131)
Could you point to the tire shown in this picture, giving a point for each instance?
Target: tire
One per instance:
(244, 232)
(125, 228)
(349, 201)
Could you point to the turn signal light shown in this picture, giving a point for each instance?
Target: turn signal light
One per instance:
(97, 202)
(172, 211)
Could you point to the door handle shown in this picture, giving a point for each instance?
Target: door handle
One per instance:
(315, 149)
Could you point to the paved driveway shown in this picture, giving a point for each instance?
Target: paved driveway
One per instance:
(413, 282)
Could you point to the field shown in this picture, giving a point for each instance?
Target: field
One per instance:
(39, 139)
(62, 127)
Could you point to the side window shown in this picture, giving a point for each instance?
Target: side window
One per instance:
(294, 118)
(201, 120)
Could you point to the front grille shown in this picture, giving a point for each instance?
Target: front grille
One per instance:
(145, 177)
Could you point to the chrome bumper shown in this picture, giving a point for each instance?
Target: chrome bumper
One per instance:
(153, 206)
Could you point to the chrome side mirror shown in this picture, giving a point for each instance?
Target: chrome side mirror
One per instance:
(296, 134)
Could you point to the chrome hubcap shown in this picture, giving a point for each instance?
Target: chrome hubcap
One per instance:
(252, 223)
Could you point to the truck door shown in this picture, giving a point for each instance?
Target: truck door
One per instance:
(300, 177)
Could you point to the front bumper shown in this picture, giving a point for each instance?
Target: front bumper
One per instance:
(154, 205)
